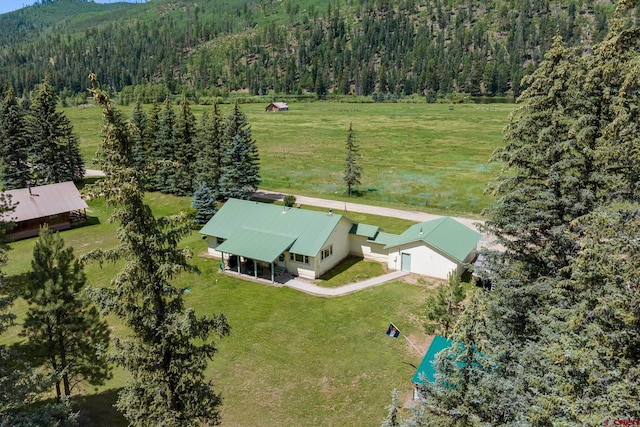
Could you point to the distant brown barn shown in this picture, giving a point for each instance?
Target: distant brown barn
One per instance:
(277, 106)
(59, 205)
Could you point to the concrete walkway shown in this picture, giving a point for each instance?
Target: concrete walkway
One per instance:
(310, 288)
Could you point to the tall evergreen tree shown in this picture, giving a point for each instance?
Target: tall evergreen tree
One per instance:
(14, 144)
(170, 346)
(165, 148)
(20, 384)
(183, 180)
(150, 135)
(141, 149)
(211, 145)
(240, 173)
(443, 308)
(352, 170)
(557, 342)
(205, 203)
(63, 328)
(55, 149)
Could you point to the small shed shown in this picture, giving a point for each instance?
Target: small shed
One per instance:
(277, 106)
(426, 370)
(59, 205)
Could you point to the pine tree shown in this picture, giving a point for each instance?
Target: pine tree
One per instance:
(205, 203)
(558, 337)
(211, 145)
(443, 308)
(20, 384)
(240, 172)
(140, 148)
(551, 174)
(392, 419)
(352, 171)
(150, 136)
(165, 149)
(55, 149)
(170, 346)
(183, 180)
(14, 144)
(63, 328)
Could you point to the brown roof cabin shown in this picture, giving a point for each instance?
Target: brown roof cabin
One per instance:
(277, 106)
(59, 205)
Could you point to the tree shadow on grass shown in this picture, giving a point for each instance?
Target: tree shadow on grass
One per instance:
(91, 220)
(361, 192)
(341, 268)
(97, 410)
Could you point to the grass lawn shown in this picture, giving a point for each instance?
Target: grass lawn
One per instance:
(292, 359)
(423, 156)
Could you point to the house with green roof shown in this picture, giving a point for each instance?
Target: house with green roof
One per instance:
(303, 242)
(258, 236)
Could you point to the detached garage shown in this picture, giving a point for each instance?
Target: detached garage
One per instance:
(434, 248)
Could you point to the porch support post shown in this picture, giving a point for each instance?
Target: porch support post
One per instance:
(255, 269)
(272, 277)
(238, 257)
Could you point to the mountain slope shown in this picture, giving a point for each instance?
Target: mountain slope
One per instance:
(390, 48)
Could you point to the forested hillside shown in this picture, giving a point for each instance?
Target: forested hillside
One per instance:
(362, 47)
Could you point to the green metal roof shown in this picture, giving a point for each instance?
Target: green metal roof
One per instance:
(308, 229)
(365, 230)
(426, 366)
(383, 238)
(256, 244)
(445, 234)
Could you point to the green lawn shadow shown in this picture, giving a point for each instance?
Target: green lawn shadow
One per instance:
(341, 268)
(97, 410)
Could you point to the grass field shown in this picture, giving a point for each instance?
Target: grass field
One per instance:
(292, 359)
(430, 157)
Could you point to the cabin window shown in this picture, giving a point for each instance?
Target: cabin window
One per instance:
(53, 219)
(327, 252)
(304, 259)
(219, 240)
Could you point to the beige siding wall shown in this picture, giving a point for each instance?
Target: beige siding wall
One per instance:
(369, 250)
(424, 261)
(360, 246)
(302, 270)
(339, 239)
(212, 244)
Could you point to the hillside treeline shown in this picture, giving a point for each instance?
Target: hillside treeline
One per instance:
(360, 47)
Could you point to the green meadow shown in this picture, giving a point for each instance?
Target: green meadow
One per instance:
(430, 157)
(292, 358)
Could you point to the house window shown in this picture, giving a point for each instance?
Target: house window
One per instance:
(327, 252)
(304, 259)
(53, 219)
(219, 240)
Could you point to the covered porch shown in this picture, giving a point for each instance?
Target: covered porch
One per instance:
(255, 253)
